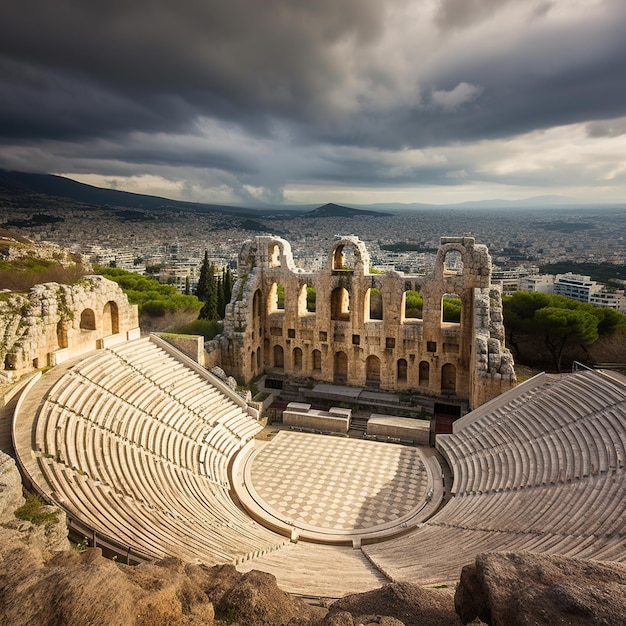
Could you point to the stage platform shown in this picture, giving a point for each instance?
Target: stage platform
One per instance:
(334, 489)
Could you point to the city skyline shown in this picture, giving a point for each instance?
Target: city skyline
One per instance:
(355, 102)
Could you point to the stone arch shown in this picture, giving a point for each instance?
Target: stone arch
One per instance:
(87, 320)
(412, 306)
(401, 370)
(372, 370)
(297, 359)
(110, 319)
(273, 254)
(276, 300)
(306, 299)
(424, 374)
(453, 262)
(451, 308)
(340, 370)
(448, 377)
(340, 304)
(62, 339)
(347, 253)
(279, 357)
(373, 305)
(257, 303)
(317, 360)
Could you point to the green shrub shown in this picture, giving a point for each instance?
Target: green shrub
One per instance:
(35, 511)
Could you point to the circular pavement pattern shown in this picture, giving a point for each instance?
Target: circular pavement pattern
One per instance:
(342, 485)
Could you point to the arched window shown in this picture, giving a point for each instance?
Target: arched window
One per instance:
(424, 374)
(274, 255)
(451, 308)
(277, 298)
(258, 357)
(453, 262)
(372, 370)
(412, 305)
(306, 300)
(343, 257)
(252, 361)
(448, 377)
(279, 360)
(401, 370)
(373, 304)
(110, 319)
(340, 304)
(88, 320)
(297, 359)
(317, 360)
(341, 367)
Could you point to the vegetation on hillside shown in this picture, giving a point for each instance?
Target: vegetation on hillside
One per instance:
(24, 264)
(600, 272)
(152, 297)
(563, 327)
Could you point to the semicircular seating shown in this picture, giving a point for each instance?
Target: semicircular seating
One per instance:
(137, 445)
(544, 472)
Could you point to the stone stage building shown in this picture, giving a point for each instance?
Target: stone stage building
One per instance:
(53, 323)
(350, 324)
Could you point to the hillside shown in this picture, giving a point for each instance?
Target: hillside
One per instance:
(337, 210)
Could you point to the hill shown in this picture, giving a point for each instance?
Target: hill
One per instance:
(20, 183)
(337, 210)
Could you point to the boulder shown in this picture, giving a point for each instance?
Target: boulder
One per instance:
(407, 603)
(506, 589)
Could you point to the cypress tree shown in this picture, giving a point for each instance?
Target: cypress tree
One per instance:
(203, 279)
(221, 304)
(228, 285)
(209, 310)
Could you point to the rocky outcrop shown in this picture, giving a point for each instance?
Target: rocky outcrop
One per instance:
(398, 603)
(505, 589)
(46, 536)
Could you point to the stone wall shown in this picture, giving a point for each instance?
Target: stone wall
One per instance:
(360, 332)
(53, 322)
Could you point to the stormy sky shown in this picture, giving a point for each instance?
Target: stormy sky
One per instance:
(311, 101)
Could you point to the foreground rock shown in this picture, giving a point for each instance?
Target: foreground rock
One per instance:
(506, 589)
(400, 603)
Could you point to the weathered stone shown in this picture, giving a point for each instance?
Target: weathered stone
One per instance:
(11, 497)
(408, 603)
(506, 589)
(55, 322)
(358, 332)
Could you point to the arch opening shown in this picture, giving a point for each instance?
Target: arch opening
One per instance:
(279, 357)
(448, 377)
(401, 371)
(340, 304)
(412, 305)
(451, 308)
(87, 320)
(373, 305)
(111, 318)
(424, 374)
(372, 371)
(340, 372)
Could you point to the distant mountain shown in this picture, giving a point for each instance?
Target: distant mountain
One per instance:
(60, 187)
(336, 210)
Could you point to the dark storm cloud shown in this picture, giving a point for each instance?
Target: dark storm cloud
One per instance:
(243, 60)
(269, 92)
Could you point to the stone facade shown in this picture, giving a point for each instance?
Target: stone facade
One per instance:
(359, 331)
(53, 322)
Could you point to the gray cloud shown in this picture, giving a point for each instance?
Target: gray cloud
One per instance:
(268, 93)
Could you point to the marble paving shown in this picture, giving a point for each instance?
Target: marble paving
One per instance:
(334, 483)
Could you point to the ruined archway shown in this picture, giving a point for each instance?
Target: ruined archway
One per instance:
(424, 374)
(340, 304)
(110, 319)
(87, 320)
(448, 377)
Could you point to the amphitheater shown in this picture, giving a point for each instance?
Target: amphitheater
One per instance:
(151, 455)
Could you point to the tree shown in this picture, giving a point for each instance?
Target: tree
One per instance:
(566, 326)
(187, 289)
(203, 279)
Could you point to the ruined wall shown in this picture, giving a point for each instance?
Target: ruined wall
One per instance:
(53, 322)
(360, 331)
